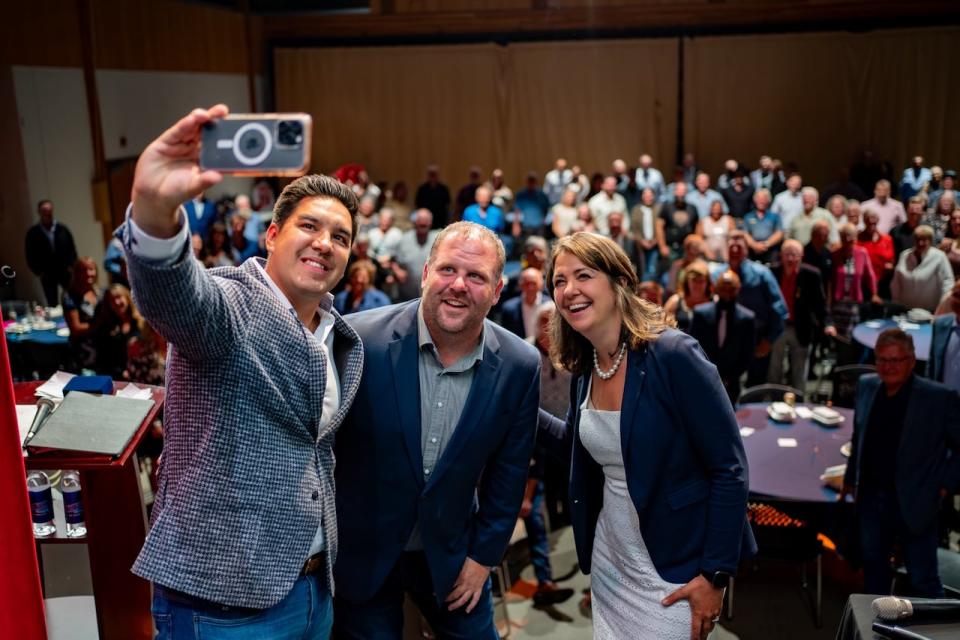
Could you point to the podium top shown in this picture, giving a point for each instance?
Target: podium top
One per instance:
(54, 459)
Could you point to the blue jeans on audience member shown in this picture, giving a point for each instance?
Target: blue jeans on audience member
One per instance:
(381, 618)
(649, 263)
(881, 525)
(537, 537)
(306, 613)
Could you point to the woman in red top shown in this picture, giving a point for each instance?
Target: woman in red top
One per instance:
(879, 247)
(852, 274)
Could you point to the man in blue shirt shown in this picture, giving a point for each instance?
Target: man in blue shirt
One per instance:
(764, 231)
(484, 213)
(914, 178)
(703, 196)
(532, 205)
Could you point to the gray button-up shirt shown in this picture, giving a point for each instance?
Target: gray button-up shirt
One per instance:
(443, 394)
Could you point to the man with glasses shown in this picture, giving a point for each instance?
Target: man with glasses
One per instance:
(901, 465)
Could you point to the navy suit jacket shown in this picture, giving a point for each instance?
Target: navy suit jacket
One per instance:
(469, 505)
(942, 328)
(684, 460)
(200, 221)
(511, 316)
(926, 456)
(733, 358)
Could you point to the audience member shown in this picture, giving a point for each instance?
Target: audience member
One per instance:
(648, 177)
(519, 313)
(367, 214)
(579, 183)
(115, 263)
(360, 293)
(631, 192)
(79, 302)
(689, 168)
(397, 201)
(217, 250)
(502, 194)
(854, 216)
(726, 330)
(946, 183)
(412, 254)
(244, 229)
(584, 220)
(619, 233)
(556, 180)
(951, 243)
(730, 169)
(905, 429)
(891, 211)
(532, 206)
(117, 323)
(146, 355)
(715, 229)
(915, 178)
(789, 204)
(467, 193)
(879, 246)
(50, 252)
(651, 292)
(484, 213)
(385, 237)
(201, 213)
(738, 195)
(852, 275)
(434, 196)
(764, 228)
(702, 196)
(764, 176)
(837, 207)
(806, 315)
(944, 362)
(801, 225)
(643, 218)
(692, 251)
(619, 170)
(606, 202)
(677, 220)
(902, 234)
(693, 289)
(923, 274)
(263, 197)
(564, 214)
(938, 217)
(817, 252)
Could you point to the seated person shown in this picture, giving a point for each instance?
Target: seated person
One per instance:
(79, 301)
(217, 251)
(651, 292)
(483, 212)
(116, 325)
(360, 294)
(923, 274)
(693, 289)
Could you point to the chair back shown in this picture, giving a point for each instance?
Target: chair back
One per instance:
(768, 393)
(844, 379)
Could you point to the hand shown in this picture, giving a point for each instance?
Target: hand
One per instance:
(525, 508)
(468, 587)
(762, 349)
(705, 603)
(168, 173)
(847, 490)
(945, 244)
(665, 252)
(875, 299)
(830, 330)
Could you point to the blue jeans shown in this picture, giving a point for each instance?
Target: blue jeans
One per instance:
(537, 538)
(306, 613)
(381, 617)
(881, 524)
(649, 264)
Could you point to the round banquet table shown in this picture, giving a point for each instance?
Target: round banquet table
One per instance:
(866, 333)
(792, 473)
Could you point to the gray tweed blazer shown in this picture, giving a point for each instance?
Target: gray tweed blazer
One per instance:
(246, 473)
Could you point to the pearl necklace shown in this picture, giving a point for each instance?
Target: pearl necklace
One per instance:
(606, 375)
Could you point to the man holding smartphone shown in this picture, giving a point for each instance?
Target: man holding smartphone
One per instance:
(261, 373)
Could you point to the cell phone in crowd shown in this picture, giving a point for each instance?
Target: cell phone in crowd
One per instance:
(257, 144)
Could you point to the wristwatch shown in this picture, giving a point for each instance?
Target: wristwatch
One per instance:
(719, 579)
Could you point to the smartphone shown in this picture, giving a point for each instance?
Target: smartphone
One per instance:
(257, 144)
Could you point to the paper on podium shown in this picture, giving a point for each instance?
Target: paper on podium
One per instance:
(53, 388)
(25, 414)
(92, 423)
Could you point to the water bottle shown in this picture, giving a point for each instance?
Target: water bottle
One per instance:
(73, 504)
(41, 504)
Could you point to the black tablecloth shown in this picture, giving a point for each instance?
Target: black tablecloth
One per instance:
(858, 616)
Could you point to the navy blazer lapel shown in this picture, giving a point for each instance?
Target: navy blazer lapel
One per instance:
(404, 355)
(479, 399)
(632, 387)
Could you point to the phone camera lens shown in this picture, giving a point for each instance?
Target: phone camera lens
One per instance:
(290, 133)
(251, 142)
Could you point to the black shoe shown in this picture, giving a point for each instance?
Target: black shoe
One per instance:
(546, 597)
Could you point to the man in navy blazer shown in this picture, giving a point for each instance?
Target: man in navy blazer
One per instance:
(519, 314)
(731, 355)
(432, 459)
(903, 462)
(944, 363)
(200, 215)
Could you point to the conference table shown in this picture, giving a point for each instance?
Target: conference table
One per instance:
(40, 351)
(866, 333)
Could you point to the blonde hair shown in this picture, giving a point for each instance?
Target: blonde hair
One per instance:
(643, 321)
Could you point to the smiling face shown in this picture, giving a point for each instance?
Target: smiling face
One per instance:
(460, 285)
(584, 297)
(309, 252)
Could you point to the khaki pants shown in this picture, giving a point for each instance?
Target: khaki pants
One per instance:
(788, 345)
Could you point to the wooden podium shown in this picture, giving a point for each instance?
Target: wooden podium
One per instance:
(116, 520)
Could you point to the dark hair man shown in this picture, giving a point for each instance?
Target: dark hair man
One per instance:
(50, 252)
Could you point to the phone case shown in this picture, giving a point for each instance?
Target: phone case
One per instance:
(258, 144)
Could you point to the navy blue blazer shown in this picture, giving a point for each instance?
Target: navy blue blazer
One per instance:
(684, 460)
(511, 316)
(926, 456)
(469, 505)
(942, 328)
(733, 358)
(200, 221)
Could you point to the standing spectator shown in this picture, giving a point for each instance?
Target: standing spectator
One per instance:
(703, 196)
(385, 237)
(760, 293)
(360, 294)
(854, 215)
(434, 196)
(556, 181)
(764, 177)
(891, 211)
(923, 275)
(580, 183)
(483, 212)
(817, 252)
(692, 252)
(677, 220)
(806, 315)
(263, 196)
(852, 275)
(605, 202)
(519, 313)
(631, 192)
(946, 183)
(619, 168)
(584, 220)
(643, 218)
(412, 254)
(837, 207)
(146, 355)
(693, 289)
(944, 363)
(50, 252)
(651, 292)
(116, 324)
(789, 204)
(801, 225)
(564, 214)
(79, 302)
(689, 168)
(620, 234)
(467, 193)
(367, 215)
(201, 213)
(532, 206)
(217, 251)
(763, 228)
(738, 195)
(715, 229)
(880, 248)
(730, 168)
(397, 200)
(670, 189)
(951, 243)
(726, 330)
(938, 218)
(502, 194)
(244, 229)
(902, 234)
(905, 429)
(648, 177)
(915, 179)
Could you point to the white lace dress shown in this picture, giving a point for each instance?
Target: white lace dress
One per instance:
(626, 587)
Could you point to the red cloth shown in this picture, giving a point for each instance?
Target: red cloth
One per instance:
(863, 274)
(788, 287)
(880, 252)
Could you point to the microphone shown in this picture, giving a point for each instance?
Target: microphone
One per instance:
(45, 407)
(894, 609)
(896, 633)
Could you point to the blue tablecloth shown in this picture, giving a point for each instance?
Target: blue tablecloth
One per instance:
(38, 337)
(866, 333)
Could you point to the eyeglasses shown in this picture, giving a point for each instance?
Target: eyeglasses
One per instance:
(884, 361)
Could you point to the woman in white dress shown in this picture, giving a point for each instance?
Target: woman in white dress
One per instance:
(658, 485)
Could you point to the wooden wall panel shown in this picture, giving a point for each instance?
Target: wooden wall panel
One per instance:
(41, 32)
